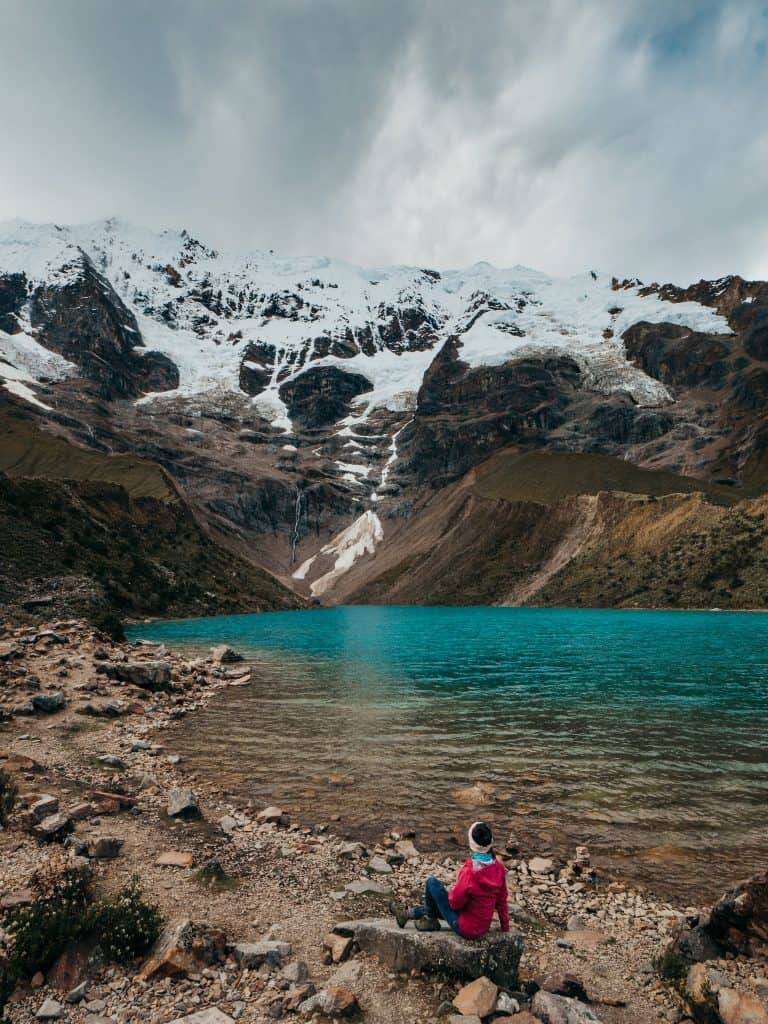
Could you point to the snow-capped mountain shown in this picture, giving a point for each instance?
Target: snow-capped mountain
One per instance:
(312, 400)
(209, 312)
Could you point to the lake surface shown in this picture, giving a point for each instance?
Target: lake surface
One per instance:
(642, 734)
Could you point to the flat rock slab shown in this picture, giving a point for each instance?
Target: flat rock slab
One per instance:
(175, 859)
(495, 956)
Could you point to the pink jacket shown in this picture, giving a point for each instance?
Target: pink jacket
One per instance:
(480, 890)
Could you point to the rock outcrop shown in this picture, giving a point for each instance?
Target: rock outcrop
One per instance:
(737, 924)
(496, 956)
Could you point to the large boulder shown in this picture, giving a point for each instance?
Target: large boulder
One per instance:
(495, 956)
(737, 923)
(739, 919)
(711, 999)
(185, 946)
(149, 675)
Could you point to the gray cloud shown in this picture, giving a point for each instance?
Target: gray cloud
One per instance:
(631, 137)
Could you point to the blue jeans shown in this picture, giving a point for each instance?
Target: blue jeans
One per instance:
(436, 904)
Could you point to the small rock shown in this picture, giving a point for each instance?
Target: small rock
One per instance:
(182, 803)
(507, 1004)
(50, 1010)
(48, 703)
(43, 807)
(295, 972)
(211, 1015)
(82, 811)
(225, 655)
(337, 947)
(541, 865)
(478, 998)
(271, 815)
(565, 985)
(379, 866)
(252, 955)
(406, 848)
(552, 1009)
(228, 824)
(76, 994)
(110, 761)
(368, 886)
(54, 828)
(332, 1002)
(107, 848)
(350, 851)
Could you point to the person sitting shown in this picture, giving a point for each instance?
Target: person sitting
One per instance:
(468, 908)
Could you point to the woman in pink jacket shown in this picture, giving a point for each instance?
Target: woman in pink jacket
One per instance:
(480, 890)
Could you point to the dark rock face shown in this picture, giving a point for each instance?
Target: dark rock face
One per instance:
(621, 423)
(495, 956)
(464, 414)
(322, 395)
(756, 338)
(750, 389)
(737, 923)
(86, 322)
(256, 367)
(677, 356)
(274, 505)
(13, 295)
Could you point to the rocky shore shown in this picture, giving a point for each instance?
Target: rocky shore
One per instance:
(256, 908)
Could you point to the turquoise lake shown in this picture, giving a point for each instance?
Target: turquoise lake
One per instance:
(643, 734)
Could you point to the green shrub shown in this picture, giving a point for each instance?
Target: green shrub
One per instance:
(126, 925)
(109, 623)
(671, 966)
(62, 912)
(8, 794)
(42, 929)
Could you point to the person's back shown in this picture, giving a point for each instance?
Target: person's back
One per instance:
(480, 891)
(468, 908)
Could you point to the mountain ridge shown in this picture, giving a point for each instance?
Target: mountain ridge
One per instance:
(306, 407)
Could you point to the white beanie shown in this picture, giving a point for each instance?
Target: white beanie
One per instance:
(474, 846)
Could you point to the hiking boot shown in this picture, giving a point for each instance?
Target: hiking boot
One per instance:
(427, 924)
(400, 913)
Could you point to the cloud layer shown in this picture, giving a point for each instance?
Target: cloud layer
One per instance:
(630, 137)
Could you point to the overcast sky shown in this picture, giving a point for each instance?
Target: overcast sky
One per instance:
(628, 136)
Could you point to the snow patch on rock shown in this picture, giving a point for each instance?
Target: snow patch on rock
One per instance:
(358, 539)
